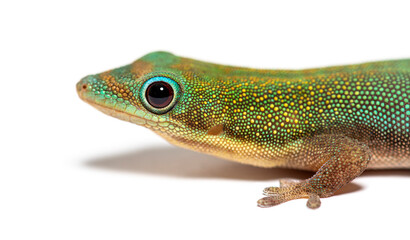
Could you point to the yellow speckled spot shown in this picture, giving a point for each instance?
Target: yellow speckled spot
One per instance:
(148, 116)
(151, 123)
(163, 124)
(140, 113)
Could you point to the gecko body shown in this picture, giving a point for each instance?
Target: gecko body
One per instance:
(336, 121)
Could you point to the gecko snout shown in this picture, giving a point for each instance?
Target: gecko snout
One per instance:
(83, 85)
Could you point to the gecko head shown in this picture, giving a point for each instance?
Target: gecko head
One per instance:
(150, 92)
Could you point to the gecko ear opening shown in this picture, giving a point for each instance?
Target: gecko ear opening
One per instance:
(216, 130)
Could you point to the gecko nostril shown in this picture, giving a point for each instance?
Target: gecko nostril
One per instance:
(84, 86)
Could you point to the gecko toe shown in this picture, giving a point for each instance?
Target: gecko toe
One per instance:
(268, 202)
(313, 202)
(269, 191)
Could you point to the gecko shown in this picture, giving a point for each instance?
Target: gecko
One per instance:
(334, 121)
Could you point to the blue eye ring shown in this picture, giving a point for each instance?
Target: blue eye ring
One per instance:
(159, 94)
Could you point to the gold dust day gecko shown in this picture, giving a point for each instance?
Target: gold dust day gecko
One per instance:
(335, 121)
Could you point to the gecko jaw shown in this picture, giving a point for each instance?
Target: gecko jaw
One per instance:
(126, 112)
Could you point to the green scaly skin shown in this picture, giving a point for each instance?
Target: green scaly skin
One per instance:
(337, 121)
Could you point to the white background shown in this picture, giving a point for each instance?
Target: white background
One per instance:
(69, 172)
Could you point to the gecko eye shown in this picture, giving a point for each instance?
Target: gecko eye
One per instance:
(159, 94)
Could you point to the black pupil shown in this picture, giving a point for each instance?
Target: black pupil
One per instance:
(159, 94)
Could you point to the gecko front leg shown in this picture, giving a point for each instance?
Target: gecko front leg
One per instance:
(339, 160)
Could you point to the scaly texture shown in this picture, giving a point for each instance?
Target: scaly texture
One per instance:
(337, 121)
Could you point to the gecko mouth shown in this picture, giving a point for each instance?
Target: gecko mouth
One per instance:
(100, 104)
(122, 111)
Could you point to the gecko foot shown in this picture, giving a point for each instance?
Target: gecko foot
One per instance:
(341, 159)
(288, 190)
